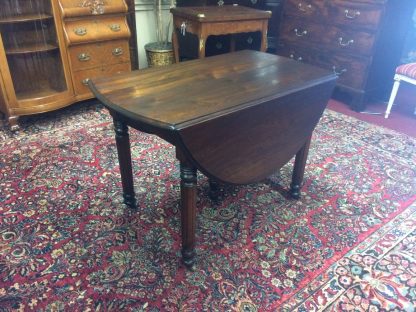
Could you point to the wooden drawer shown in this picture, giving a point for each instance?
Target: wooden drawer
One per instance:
(248, 41)
(309, 10)
(74, 8)
(352, 71)
(91, 55)
(335, 38)
(95, 29)
(357, 14)
(81, 78)
(251, 3)
(339, 12)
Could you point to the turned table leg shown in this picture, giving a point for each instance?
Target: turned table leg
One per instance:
(188, 213)
(299, 169)
(124, 159)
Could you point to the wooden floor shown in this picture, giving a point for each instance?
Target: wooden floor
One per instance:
(401, 118)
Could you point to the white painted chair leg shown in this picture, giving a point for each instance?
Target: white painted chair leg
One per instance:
(392, 97)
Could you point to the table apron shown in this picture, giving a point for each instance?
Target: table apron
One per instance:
(221, 28)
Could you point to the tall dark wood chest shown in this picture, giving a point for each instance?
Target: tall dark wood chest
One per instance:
(360, 40)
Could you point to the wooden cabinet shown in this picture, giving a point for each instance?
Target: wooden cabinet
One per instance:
(360, 40)
(33, 62)
(221, 44)
(50, 48)
(98, 44)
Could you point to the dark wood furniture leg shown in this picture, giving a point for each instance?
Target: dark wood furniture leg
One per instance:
(214, 188)
(299, 169)
(124, 159)
(13, 122)
(188, 212)
(175, 44)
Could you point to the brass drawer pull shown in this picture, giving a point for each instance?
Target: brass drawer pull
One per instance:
(80, 31)
(346, 43)
(85, 81)
(292, 56)
(84, 57)
(117, 51)
(304, 8)
(351, 14)
(338, 72)
(300, 33)
(115, 27)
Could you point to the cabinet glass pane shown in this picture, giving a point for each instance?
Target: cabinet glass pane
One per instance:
(29, 37)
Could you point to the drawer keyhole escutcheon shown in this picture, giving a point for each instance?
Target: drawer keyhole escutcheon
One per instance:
(84, 57)
(352, 14)
(300, 33)
(304, 8)
(346, 43)
(117, 51)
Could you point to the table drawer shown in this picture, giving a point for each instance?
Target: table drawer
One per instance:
(351, 71)
(91, 55)
(81, 78)
(257, 4)
(339, 12)
(330, 37)
(95, 29)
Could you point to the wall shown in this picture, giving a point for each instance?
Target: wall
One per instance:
(409, 51)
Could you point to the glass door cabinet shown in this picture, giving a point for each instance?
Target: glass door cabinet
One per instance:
(34, 75)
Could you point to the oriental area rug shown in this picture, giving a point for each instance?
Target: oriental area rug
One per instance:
(67, 242)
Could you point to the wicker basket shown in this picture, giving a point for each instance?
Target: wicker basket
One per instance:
(159, 53)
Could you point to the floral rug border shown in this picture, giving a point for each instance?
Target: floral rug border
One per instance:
(326, 289)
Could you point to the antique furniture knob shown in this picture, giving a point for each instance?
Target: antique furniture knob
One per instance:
(115, 27)
(117, 51)
(352, 14)
(292, 56)
(84, 57)
(338, 72)
(304, 8)
(300, 33)
(80, 31)
(345, 43)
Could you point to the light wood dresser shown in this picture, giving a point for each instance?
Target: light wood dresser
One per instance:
(360, 40)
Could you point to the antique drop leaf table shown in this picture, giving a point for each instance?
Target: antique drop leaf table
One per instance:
(236, 117)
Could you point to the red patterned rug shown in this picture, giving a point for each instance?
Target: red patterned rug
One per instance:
(67, 243)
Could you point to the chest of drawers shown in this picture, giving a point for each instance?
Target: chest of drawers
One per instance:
(98, 43)
(360, 40)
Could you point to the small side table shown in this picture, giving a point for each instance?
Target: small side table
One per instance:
(218, 20)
